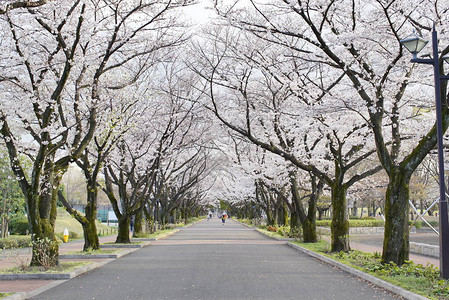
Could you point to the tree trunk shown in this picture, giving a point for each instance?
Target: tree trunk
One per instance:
(309, 231)
(91, 240)
(149, 218)
(45, 247)
(123, 229)
(307, 221)
(138, 222)
(340, 223)
(285, 213)
(396, 237)
(294, 222)
(41, 204)
(4, 213)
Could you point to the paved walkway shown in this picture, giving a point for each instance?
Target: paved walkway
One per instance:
(213, 261)
(205, 235)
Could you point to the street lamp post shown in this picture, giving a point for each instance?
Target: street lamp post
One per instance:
(414, 44)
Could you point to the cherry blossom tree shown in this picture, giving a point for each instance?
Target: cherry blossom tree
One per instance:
(255, 100)
(359, 43)
(46, 124)
(8, 5)
(63, 58)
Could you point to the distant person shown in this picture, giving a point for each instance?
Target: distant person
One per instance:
(223, 219)
(210, 216)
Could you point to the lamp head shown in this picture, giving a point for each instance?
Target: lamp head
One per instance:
(414, 44)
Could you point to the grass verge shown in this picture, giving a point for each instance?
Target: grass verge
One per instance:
(131, 243)
(65, 267)
(93, 252)
(157, 235)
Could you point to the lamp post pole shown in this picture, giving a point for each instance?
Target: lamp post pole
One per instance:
(443, 216)
(444, 226)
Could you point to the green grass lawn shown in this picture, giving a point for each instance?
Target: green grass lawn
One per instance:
(4, 295)
(65, 220)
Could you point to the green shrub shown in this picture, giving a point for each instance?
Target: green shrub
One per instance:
(324, 223)
(15, 242)
(73, 235)
(19, 226)
(284, 231)
(432, 223)
(24, 241)
(43, 254)
(8, 243)
(142, 235)
(372, 222)
(271, 228)
(366, 223)
(171, 226)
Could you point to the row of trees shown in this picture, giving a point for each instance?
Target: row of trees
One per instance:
(92, 84)
(325, 86)
(291, 99)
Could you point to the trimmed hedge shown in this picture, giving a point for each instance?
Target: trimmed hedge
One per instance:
(15, 242)
(19, 226)
(354, 223)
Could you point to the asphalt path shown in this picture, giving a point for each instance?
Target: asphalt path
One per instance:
(213, 261)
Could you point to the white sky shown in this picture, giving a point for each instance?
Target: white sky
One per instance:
(199, 12)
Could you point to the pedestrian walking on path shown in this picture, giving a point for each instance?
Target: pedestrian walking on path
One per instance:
(223, 218)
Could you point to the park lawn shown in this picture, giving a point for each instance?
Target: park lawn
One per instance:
(65, 220)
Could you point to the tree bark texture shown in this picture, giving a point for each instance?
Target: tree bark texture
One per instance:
(340, 223)
(307, 221)
(396, 237)
(123, 230)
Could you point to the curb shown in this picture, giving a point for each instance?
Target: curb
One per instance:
(16, 296)
(161, 237)
(96, 256)
(425, 249)
(53, 276)
(374, 280)
(126, 246)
